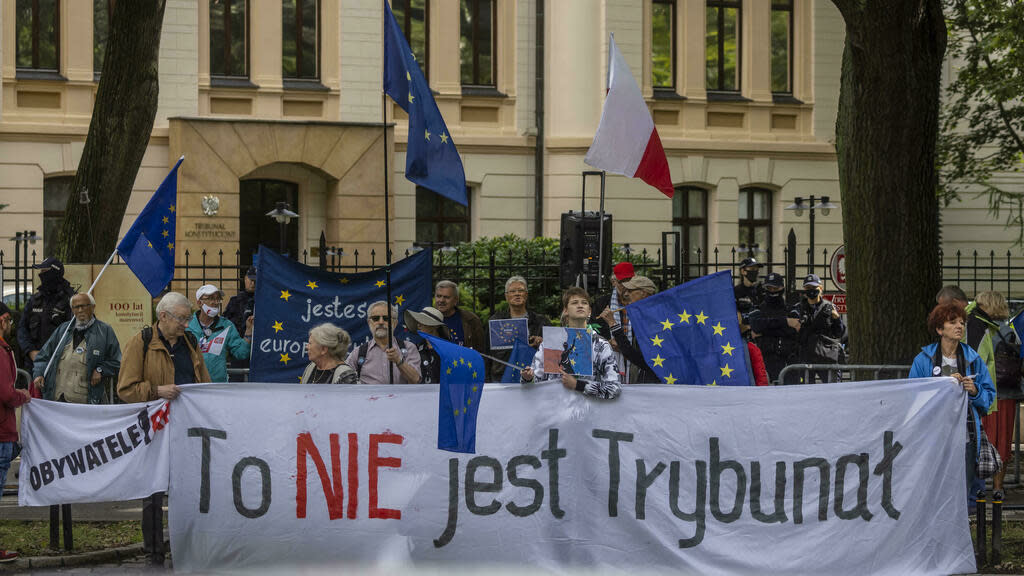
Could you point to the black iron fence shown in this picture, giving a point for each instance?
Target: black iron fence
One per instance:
(482, 274)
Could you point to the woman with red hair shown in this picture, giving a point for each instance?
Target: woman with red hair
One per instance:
(950, 357)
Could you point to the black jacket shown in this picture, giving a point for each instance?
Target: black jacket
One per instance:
(776, 338)
(631, 353)
(239, 308)
(44, 311)
(820, 333)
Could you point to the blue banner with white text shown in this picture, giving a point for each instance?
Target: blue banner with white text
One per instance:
(292, 298)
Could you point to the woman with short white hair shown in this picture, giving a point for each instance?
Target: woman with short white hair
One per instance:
(328, 345)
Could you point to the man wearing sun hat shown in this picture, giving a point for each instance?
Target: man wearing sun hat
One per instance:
(429, 321)
(217, 335)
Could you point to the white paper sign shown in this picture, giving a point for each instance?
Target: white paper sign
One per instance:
(214, 344)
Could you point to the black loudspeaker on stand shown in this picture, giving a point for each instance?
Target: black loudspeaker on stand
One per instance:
(581, 240)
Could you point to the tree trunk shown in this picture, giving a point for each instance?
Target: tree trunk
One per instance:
(122, 121)
(886, 133)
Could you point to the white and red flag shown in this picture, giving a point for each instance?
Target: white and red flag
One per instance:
(627, 142)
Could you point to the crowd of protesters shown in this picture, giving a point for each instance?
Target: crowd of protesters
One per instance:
(72, 354)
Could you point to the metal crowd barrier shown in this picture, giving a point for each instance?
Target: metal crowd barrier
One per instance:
(844, 371)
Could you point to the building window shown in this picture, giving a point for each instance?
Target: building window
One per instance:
(755, 222)
(56, 191)
(663, 54)
(101, 14)
(782, 46)
(38, 34)
(229, 38)
(413, 19)
(476, 42)
(301, 40)
(722, 47)
(690, 219)
(439, 219)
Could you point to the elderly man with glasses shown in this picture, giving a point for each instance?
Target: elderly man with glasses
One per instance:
(385, 359)
(85, 354)
(156, 361)
(217, 336)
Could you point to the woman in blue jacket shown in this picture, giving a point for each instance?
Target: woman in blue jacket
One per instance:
(951, 357)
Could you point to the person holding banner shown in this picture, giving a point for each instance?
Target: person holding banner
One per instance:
(86, 355)
(372, 360)
(217, 335)
(636, 289)
(327, 347)
(10, 398)
(950, 357)
(465, 327)
(575, 314)
(155, 362)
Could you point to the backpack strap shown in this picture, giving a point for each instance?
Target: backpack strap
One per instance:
(361, 359)
(147, 337)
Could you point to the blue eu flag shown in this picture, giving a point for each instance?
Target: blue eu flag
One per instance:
(292, 298)
(521, 357)
(690, 335)
(148, 246)
(462, 385)
(431, 159)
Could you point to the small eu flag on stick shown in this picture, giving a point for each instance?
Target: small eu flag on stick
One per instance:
(148, 246)
(462, 386)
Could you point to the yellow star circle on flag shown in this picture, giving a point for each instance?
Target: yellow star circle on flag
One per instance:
(713, 383)
(343, 280)
(285, 295)
(426, 135)
(658, 360)
(381, 283)
(657, 340)
(399, 299)
(719, 329)
(474, 377)
(166, 220)
(444, 138)
(666, 324)
(670, 380)
(448, 371)
(165, 233)
(408, 78)
(170, 245)
(285, 358)
(171, 208)
(278, 326)
(701, 318)
(411, 97)
(684, 317)
(727, 349)
(726, 371)
(311, 285)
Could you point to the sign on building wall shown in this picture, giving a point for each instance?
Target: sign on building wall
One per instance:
(121, 301)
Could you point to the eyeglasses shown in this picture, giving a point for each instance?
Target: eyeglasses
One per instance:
(378, 318)
(81, 306)
(179, 319)
(217, 299)
(515, 291)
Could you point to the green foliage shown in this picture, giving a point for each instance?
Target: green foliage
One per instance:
(536, 259)
(32, 538)
(982, 122)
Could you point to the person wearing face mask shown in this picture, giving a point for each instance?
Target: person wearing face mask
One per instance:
(821, 329)
(775, 330)
(218, 338)
(749, 292)
(85, 357)
(47, 308)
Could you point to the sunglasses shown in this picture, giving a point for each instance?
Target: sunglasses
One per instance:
(378, 318)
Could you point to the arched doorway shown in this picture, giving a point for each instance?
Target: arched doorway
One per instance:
(257, 197)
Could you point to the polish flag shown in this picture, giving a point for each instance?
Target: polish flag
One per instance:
(627, 142)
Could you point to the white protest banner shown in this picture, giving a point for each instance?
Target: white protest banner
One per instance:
(841, 478)
(87, 453)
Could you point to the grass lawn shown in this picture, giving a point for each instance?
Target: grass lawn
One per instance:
(33, 538)
(1012, 551)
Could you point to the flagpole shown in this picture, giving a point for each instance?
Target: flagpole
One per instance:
(387, 215)
(60, 342)
(600, 237)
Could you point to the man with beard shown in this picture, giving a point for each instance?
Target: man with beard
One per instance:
(10, 398)
(84, 357)
(372, 360)
(46, 309)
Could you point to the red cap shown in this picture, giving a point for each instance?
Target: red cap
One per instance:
(623, 271)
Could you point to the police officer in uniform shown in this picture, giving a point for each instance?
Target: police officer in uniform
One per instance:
(776, 329)
(749, 292)
(48, 307)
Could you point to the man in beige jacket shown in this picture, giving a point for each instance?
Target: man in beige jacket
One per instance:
(154, 363)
